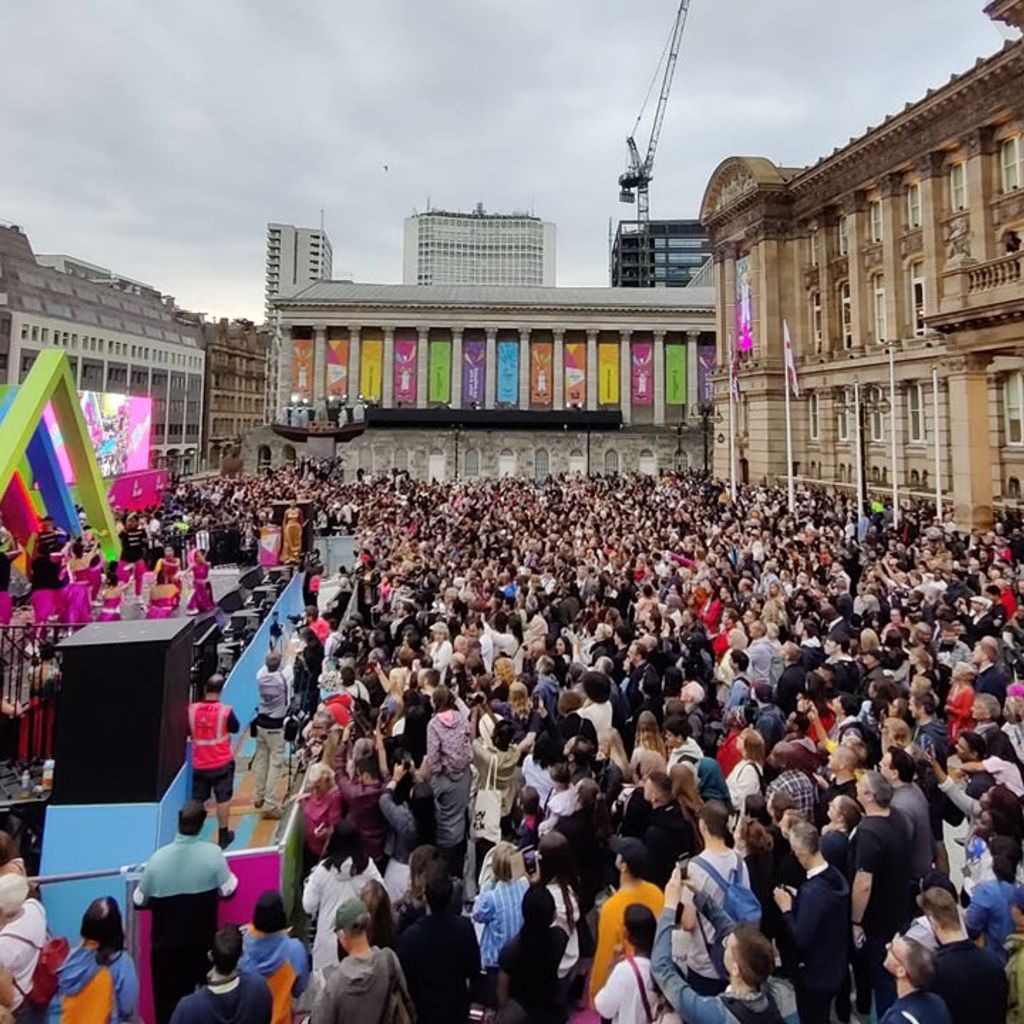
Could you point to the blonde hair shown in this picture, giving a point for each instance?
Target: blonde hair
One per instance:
(610, 739)
(504, 672)
(684, 789)
(648, 735)
(519, 698)
(869, 641)
(319, 772)
(752, 745)
(501, 861)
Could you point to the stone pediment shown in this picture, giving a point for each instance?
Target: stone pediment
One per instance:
(734, 180)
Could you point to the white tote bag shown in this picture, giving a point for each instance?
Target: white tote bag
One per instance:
(487, 809)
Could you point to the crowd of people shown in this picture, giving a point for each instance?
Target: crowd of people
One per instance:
(627, 747)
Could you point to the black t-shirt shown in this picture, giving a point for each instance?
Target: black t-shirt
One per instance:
(132, 545)
(535, 990)
(879, 847)
(5, 572)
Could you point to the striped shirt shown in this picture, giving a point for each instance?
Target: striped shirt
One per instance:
(500, 911)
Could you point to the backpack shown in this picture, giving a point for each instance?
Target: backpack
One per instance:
(745, 1014)
(52, 953)
(739, 905)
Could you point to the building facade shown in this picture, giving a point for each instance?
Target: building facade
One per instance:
(905, 243)
(676, 250)
(476, 381)
(236, 384)
(478, 248)
(296, 257)
(120, 336)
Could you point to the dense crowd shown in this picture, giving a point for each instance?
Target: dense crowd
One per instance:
(626, 747)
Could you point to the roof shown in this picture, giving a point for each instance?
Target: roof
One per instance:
(356, 294)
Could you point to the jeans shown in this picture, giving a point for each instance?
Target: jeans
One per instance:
(267, 765)
(870, 974)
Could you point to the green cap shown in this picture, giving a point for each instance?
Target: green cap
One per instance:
(348, 913)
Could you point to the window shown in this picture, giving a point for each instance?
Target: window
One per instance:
(878, 297)
(813, 247)
(914, 205)
(813, 420)
(958, 186)
(915, 414)
(917, 296)
(471, 464)
(875, 220)
(846, 306)
(844, 236)
(1013, 488)
(1011, 162)
(877, 417)
(611, 462)
(1013, 407)
(540, 463)
(816, 318)
(844, 409)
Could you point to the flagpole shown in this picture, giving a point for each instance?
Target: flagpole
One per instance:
(791, 490)
(732, 423)
(860, 457)
(936, 444)
(894, 424)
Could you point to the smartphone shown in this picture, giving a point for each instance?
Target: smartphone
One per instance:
(530, 860)
(684, 865)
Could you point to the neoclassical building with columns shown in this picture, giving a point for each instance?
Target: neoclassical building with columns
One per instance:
(481, 380)
(907, 239)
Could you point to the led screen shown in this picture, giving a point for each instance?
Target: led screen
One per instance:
(118, 426)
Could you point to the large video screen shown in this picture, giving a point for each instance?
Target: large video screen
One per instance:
(119, 428)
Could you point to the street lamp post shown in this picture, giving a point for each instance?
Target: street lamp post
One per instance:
(707, 412)
(457, 436)
(894, 431)
(874, 404)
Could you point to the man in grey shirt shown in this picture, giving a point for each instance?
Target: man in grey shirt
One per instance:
(899, 769)
(269, 761)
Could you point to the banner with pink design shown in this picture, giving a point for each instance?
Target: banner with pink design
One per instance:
(405, 370)
(139, 490)
(270, 545)
(474, 355)
(642, 382)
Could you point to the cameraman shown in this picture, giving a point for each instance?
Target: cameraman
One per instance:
(269, 724)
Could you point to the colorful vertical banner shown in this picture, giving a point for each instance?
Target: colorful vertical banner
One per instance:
(675, 375)
(542, 358)
(508, 372)
(474, 355)
(705, 366)
(641, 388)
(439, 372)
(371, 368)
(744, 306)
(302, 368)
(608, 373)
(575, 373)
(405, 371)
(337, 367)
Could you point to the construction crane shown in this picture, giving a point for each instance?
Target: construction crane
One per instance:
(635, 181)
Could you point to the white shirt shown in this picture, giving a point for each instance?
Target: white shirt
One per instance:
(620, 999)
(16, 955)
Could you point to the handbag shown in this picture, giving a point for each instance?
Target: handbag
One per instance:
(398, 1008)
(487, 809)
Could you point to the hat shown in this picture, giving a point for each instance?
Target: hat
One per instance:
(633, 852)
(763, 692)
(937, 880)
(268, 915)
(348, 914)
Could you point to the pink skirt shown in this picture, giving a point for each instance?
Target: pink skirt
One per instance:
(78, 605)
(6, 608)
(47, 604)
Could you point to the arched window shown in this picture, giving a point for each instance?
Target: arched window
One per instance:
(875, 476)
(1013, 488)
(540, 463)
(400, 460)
(471, 464)
(915, 478)
(924, 477)
(263, 457)
(288, 454)
(841, 473)
(437, 465)
(507, 462)
(648, 464)
(577, 462)
(611, 461)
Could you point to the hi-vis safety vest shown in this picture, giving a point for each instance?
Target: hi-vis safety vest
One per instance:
(211, 741)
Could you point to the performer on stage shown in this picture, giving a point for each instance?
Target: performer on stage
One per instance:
(9, 551)
(94, 555)
(291, 536)
(163, 599)
(48, 578)
(133, 553)
(171, 569)
(111, 595)
(78, 593)
(202, 593)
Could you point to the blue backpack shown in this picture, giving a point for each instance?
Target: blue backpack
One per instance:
(739, 906)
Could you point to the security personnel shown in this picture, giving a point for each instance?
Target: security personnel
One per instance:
(210, 724)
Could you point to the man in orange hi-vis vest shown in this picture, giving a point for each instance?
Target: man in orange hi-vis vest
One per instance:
(210, 724)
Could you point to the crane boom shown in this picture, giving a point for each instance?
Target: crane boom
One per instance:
(666, 84)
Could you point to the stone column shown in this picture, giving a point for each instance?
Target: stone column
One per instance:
(355, 385)
(625, 377)
(693, 396)
(933, 255)
(558, 370)
(971, 455)
(387, 399)
(490, 368)
(319, 364)
(980, 173)
(826, 285)
(422, 354)
(524, 368)
(591, 369)
(659, 378)
(456, 385)
(856, 215)
(893, 205)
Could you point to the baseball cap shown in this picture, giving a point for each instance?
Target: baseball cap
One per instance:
(348, 914)
(633, 852)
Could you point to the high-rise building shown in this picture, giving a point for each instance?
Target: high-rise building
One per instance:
(296, 257)
(676, 251)
(478, 248)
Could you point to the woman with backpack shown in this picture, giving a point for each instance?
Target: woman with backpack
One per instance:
(98, 983)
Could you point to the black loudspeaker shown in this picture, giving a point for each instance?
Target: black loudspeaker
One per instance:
(122, 712)
(232, 601)
(251, 578)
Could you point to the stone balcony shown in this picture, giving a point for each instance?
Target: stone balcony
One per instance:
(977, 297)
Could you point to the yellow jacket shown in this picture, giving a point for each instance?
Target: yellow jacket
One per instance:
(611, 928)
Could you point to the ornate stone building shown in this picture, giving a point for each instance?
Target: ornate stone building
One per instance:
(470, 380)
(907, 238)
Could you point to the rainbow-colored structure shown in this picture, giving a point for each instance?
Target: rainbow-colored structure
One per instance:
(31, 482)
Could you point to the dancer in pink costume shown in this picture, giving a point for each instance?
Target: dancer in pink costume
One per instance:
(48, 577)
(202, 593)
(163, 599)
(170, 568)
(9, 551)
(112, 595)
(78, 593)
(94, 556)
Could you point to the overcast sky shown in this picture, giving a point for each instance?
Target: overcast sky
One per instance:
(159, 138)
